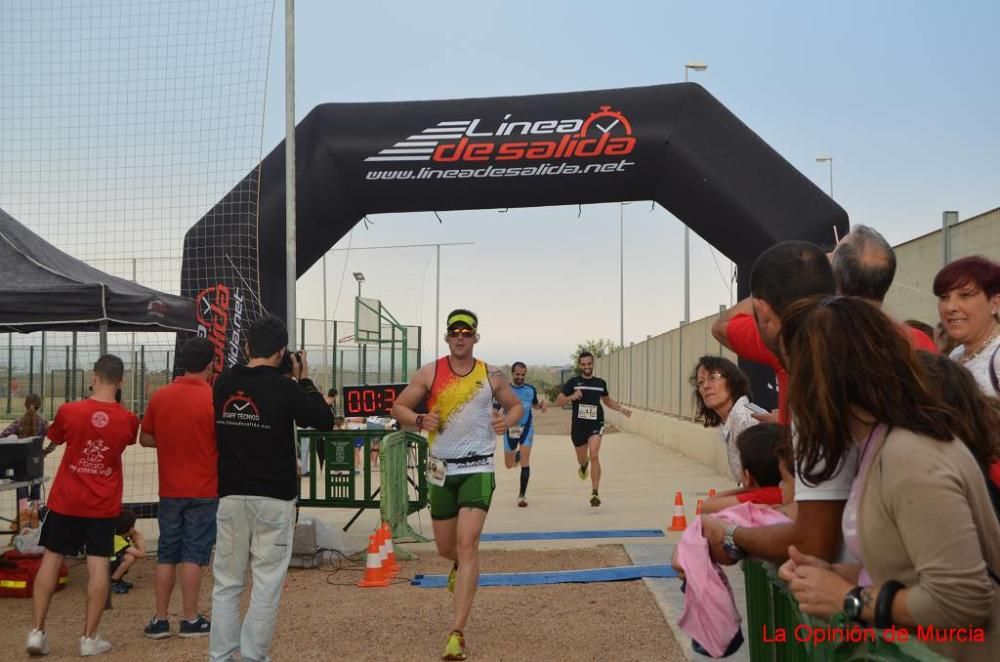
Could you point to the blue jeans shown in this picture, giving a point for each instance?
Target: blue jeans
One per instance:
(187, 530)
(257, 532)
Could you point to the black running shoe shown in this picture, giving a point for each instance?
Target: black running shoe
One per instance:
(157, 629)
(199, 627)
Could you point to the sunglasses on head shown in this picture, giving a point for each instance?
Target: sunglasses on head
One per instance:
(455, 333)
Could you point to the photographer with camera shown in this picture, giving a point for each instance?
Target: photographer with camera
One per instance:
(256, 411)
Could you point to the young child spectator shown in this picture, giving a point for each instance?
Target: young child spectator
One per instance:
(763, 448)
(130, 546)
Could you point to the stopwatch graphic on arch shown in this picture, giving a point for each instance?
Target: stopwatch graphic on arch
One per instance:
(605, 121)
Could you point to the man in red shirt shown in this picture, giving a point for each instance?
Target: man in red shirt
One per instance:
(180, 424)
(863, 265)
(85, 500)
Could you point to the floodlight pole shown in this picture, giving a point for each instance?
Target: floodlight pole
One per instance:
(290, 266)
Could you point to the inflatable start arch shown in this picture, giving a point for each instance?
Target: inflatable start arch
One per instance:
(675, 144)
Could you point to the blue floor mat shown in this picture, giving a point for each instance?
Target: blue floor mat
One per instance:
(615, 574)
(572, 535)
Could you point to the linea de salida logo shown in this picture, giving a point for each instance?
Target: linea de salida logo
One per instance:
(605, 133)
(219, 315)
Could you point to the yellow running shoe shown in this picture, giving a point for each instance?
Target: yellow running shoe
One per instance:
(451, 578)
(582, 471)
(454, 649)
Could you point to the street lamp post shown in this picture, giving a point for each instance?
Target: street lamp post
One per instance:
(621, 273)
(360, 277)
(690, 66)
(829, 160)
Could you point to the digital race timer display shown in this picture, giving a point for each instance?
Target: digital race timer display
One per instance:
(371, 400)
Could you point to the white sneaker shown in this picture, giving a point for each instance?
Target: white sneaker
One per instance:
(38, 643)
(93, 645)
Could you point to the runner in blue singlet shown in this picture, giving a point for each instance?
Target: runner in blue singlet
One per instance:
(518, 438)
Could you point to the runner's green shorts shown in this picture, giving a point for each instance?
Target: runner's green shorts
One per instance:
(462, 491)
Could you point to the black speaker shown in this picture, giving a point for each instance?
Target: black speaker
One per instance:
(24, 456)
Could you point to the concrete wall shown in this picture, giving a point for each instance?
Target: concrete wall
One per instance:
(919, 260)
(701, 444)
(653, 374)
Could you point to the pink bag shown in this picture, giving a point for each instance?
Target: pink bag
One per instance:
(710, 615)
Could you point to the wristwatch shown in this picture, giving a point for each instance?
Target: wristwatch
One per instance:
(729, 545)
(853, 604)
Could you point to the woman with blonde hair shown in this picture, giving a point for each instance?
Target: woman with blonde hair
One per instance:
(919, 517)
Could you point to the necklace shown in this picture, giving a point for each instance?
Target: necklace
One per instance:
(966, 357)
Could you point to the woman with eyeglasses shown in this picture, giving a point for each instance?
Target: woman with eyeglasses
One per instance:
(721, 398)
(919, 518)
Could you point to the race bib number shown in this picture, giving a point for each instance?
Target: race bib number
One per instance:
(437, 470)
(587, 412)
(515, 431)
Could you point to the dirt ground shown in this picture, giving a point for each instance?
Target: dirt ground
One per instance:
(325, 617)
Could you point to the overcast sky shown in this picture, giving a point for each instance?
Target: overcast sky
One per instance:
(903, 95)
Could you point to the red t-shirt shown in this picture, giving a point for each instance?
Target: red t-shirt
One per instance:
(744, 338)
(89, 480)
(770, 496)
(181, 417)
(919, 340)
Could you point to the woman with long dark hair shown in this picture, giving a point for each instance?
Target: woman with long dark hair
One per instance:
(919, 517)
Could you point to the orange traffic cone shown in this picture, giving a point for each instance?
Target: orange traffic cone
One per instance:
(697, 510)
(679, 522)
(711, 492)
(374, 576)
(389, 563)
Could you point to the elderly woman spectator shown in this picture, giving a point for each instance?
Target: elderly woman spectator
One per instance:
(968, 292)
(721, 399)
(919, 516)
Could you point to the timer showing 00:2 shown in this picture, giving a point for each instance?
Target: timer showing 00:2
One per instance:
(369, 400)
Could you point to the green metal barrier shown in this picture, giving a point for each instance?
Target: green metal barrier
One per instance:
(336, 485)
(773, 615)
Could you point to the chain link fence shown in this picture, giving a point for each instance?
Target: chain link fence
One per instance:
(57, 365)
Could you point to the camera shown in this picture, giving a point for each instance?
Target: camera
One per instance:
(289, 361)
